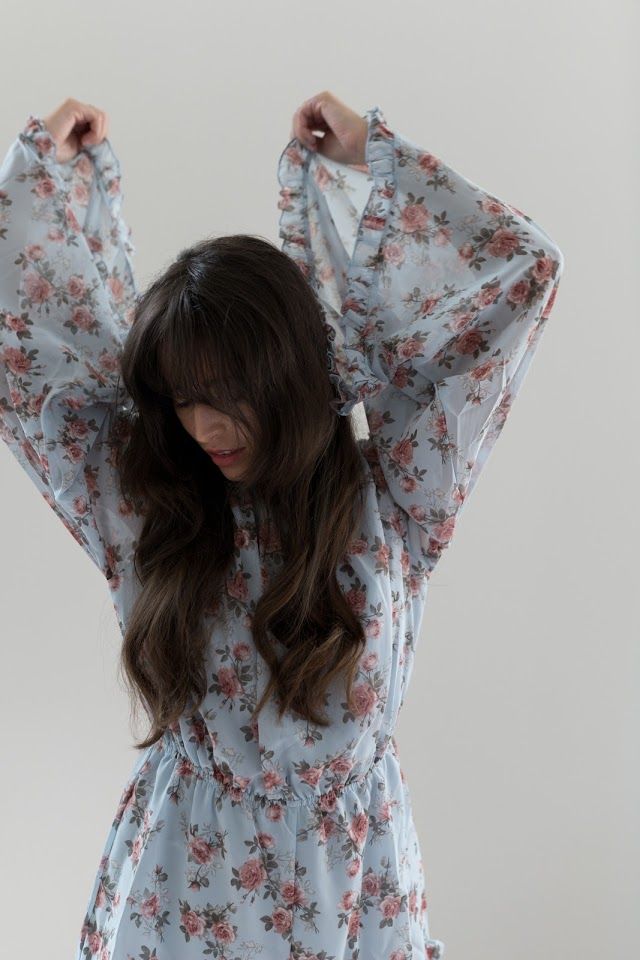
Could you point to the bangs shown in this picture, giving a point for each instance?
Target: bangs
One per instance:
(192, 359)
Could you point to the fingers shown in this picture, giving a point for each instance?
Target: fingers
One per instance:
(307, 118)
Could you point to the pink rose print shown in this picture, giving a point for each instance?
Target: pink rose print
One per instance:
(252, 874)
(282, 920)
(502, 243)
(223, 932)
(390, 907)
(193, 924)
(414, 218)
(363, 700)
(359, 828)
(201, 850)
(149, 907)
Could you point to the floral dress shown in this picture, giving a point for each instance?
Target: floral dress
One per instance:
(236, 837)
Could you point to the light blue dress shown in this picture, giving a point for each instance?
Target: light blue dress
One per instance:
(236, 838)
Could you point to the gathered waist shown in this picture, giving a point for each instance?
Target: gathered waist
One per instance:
(255, 789)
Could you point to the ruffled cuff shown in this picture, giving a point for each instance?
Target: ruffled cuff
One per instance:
(359, 367)
(107, 166)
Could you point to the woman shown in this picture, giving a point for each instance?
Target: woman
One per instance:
(268, 569)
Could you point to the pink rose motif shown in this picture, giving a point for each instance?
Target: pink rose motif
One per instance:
(136, 849)
(241, 651)
(358, 547)
(363, 700)
(80, 193)
(519, 292)
(312, 776)
(410, 348)
(402, 453)
(371, 884)
(359, 828)
(237, 586)
(484, 370)
(393, 253)
(292, 894)
(223, 931)
(252, 874)
(265, 840)
(469, 341)
(94, 942)
(322, 177)
(275, 812)
(543, 269)
(461, 320)
(466, 251)
(193, 924)
(74, 452)
(229, 683)
(17, 324)
(82, 317)
(444, 531)
(442, 236)
(149, 907)
(282, 919)
(37, 288)
(341, 766)
(76, 287)
(502, 243)
(34, 252)
(354, 867)
(45, 188)
(80, 506)
(390, 907)
(428, 163)
(55, 234)
(271, 779)
(354, 923)
(357, 598)
(492, 206)
(486, 296)
(84, 166)
(17, 361)
(382, 554)
(95, 243)
(347, 900)
(369, 662)
(414, 218)
(78, 428)
(201, 850)
(117, 288)
(72, 220)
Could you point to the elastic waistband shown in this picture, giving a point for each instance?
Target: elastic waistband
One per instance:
(242, 790)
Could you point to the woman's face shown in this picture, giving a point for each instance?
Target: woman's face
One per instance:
(217, 432)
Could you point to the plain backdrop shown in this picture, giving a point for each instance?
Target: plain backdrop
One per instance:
(519, 733)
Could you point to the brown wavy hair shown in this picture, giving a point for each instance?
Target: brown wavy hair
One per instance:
(233, 322)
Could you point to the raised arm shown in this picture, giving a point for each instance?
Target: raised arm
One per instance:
(438, 293)
(67, 292)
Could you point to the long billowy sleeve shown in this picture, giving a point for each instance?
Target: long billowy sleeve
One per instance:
(437, 293)
(67, 293)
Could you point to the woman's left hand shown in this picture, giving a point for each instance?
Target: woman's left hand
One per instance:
(344, 131)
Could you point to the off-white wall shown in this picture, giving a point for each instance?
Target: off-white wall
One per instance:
(519, 732)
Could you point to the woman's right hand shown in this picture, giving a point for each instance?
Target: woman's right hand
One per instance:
(75, 125)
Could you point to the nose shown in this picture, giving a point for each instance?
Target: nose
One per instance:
(206, 424)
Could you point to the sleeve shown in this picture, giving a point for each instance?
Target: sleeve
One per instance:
(436, 293)
(67, 293)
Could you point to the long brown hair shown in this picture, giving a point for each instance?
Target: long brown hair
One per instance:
(233, 322)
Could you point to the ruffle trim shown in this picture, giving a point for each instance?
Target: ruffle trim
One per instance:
(356, 370)
(106, 163)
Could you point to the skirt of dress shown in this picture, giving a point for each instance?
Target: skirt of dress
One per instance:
(196, 868)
